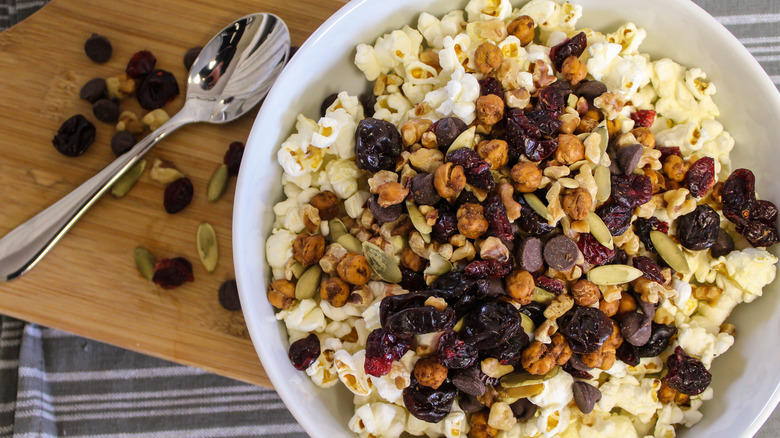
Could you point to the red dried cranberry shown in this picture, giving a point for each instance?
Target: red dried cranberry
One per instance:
(178, 195)
(304, 352)
(616, 217)
(450, 285)
(428, 404)
(644, 118)
(546, 120)
(667, 151)
(628, 354)
(158, 88)
(659, 340)
(141, 64)
(573, 46)
(454, 353)
(382, 348)
(377, 366)
(594, 252)
(687, 374)
(74, 136)
(490, 324)
(739, 195)
(552, 285)
(643, 227)
(412, 281)
(233, 157)
(649, 268)
(377, 145)
(489, 268)
(491, 85)
(631, 190)
(701, 177)
(530, 222)
(447, 130)
(468, 159)
(553, 97)
(445, 227)
(698, 229)
(171, 273)
(498, 221)
(764, 211)
(586, 328)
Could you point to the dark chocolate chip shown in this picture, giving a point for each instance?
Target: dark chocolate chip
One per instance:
(723, 245)
(636, 328)
(529, 254)
(106, 110)
(384, 214)
(98, 48)
(590, 90)
(228, 295)
(470, 404)
(586, 396)
(191, 56)
(327, 102)
(94, 90)
(628, 157)
(561, 253)
(523, 409)
(423, 190)
(122, 142)
(468, 381)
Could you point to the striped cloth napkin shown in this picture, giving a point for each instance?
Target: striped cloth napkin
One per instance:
(56, 384)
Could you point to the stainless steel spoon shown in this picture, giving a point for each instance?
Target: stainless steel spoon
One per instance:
(233, 72)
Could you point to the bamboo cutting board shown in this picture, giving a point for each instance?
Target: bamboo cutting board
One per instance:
(88, 284)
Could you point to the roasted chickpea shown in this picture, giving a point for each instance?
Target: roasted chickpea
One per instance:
(526, 177)
(488, 57)
(644, 136)
(570, 149)
(585, 293)
(429, 372)
(335, 291)
(490, 109)
(411, 260)
(281, 293)
(354, 269)
(520, 286)
(522, 27)
(577, 203)
(308, 248)
(675, 168)
(327, 203)
(494, 152)
(471, 220)
(574, 70)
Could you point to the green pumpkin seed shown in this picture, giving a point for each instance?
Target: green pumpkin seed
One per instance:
(417, 218)
(464, 140)
(602, 130)
(207, 246)
(336, 229)
(603, 183)
(144, 261)
(538, 206)
(670, 252)
(217, 183)
(613, 274)
(569, 183)
(297, 269)
(309, 283)
(128, 179)
(350, 243)
(541, 296)
(459, 325)
(381, 263)
(524, 378)
(599, 230)
(439, 265)
(527, 323)
(523, 391)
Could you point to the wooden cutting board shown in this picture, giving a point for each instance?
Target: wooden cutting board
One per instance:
(88, 284)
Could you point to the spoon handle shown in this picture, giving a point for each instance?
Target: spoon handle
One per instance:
(26, 244)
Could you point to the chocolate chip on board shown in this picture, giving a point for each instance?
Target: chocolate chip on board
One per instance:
(94, 90)
(228, 295)
(122, 142)
(98, 48)
(191, 56)
(106, 110)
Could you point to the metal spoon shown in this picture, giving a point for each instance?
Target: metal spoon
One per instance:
(233, 72)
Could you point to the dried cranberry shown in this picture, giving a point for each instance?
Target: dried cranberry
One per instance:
(491, 324)
(158, 88)
(649, 268)
(667, 151)
(552, 285)
(573, 46)
(621, 258)
(616, 217)
(368, 102)
(304, 352)
(643, 227)
(594, 252)
(171, 273)
(644, 118)
(382, 348)
(546, 120)
(141, 64)
(510, 351)
(739, 196)
(483, 180)
(530, 222)
(686, 374)
(491, 85)
(659, 340)
(468, 159)
(74, 136)
(631, 190)
(498, 221)
(586, 328)
(700, 177)
(412, 281)
(428, 404)
(521, 124)
(698, 229)
(628, 354)
(542, 149)
(447, 130)
(445, 227)
(759, 234)
(233, 157)
(408, 315)
(489, 268)
(378, 144)
(178, 195)
(553, 97)
(450, 285)
(454, 353)
(764, 211)
(488, 288)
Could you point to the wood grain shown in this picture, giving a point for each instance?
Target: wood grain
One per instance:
(88, 284)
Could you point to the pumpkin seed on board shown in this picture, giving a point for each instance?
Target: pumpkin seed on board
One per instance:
(613, 274)
(309, 283)
(207, 246)
(599, 230)
(538, 206)
(381, 263)
(464, 140)
(128, 179)
(144, 261)
(439, 265)
(670, 252)
(603, 182)
(217, 183)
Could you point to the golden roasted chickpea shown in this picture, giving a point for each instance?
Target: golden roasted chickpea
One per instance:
(577, 203)
(627, 304)
(335, 291)
(520, 286)
(411, 260)
(522, 27)
(675, 168)
(429, 372)
(327, 203)
(471, 220)
(281, 293)
(449, 181)
(609, 308)
(574, 70)
(480, 427)
(495, 152)
(488, 57)
(526, 177)
(644, 136)
(490, 109)
(589, 121)
(354, 269)
(570, 149)
(308, 248)
(585, 293)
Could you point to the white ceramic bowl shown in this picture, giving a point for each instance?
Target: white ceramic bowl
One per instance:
(746, 379)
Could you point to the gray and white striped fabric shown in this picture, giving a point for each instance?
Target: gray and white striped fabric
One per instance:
(56, 384)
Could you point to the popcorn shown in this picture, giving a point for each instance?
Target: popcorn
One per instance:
(636, 396)
(629, 37)
(342, 175)
(457, 98)
(351, 372)
(278, 248)
(323, 371)
(304, 316)
(434, 30)
(484, 10)
(354, 204)
(700, 338)
(379, 420)
(751, 269)
(367, 61)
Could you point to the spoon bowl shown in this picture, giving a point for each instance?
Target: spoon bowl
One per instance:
(231, 75)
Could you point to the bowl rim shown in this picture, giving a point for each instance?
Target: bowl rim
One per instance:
(254, 324)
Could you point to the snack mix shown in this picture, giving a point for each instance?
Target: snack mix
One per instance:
(527, 229)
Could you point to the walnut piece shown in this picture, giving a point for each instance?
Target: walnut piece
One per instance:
(480, 427)
(412, 130)
(335, 291)
(517, 98)
(493, 248)
(354, 269)
(311, 218)
(129, 122)
(281, 294)
(333, 255)
(560, 305)
(539, 358)
(391, 194)
(308, 248)
(513, 208)
(426, 160)
(488, 57)
(412, 261)
(471, 220)
(449, 181)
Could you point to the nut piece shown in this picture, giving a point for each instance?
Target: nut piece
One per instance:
(501, 416)
(609, 308)
(574, 70)
(327, 203)
(120, 86)
(494, 152)
(411, 260)
(513, 208)
(154, 119)
(539, 358)
(577, 203)
(493, 248)
(488, 57)
(604, 357)
(335, 291)
(520, 286)
(129, 122)
(707, 293)
(480, 427)
(517, 98)
(308, 248)
(490, 109)
(570, 149)
(429, 372)
(412, 130)
(428, 140)
(560, 305)
(589, 121)
(522, 27)
(354, 269)
(281, 294)
(164, 171)
(656, 179)
(391, 194)
(644, 136)
(627, 305)
(585, 293)
(333, 255)
(526, 177)
(675, 168)
(426, 160)
(449, 181)
(471, 220)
